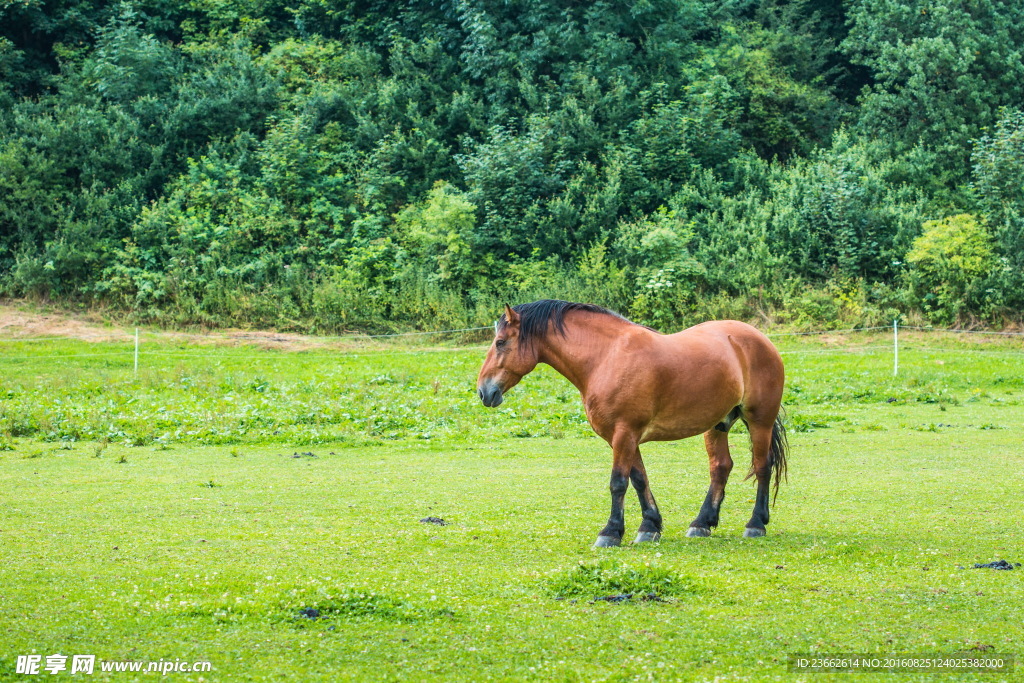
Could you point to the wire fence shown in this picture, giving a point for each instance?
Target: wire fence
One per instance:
(242, 336)
(314, 347)
(270, 339)
(822, 332)
(956, 331)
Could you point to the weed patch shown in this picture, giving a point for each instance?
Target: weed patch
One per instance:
(324, 609)
(609, 579)
(358, 605)
(800, 422)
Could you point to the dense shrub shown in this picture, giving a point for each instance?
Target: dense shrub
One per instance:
(386, 166)
(952, 261)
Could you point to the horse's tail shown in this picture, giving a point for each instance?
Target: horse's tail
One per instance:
(778, 451)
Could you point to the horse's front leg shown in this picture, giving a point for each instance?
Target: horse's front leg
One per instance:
(650, 527)
(624, 453)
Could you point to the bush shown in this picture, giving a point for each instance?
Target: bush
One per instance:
(950, 263)
(998, 169)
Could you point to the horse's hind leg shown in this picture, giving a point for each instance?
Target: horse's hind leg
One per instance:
(720, 463)
(761, 468)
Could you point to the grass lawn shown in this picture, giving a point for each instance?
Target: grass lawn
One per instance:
(153, 518)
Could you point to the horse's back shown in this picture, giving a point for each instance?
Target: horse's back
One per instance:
(677, 385)
(722, 328)
(753, 354)
(718, 348)
(741, 353)
(741, 336)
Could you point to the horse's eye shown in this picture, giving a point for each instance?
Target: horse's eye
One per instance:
(501, 343)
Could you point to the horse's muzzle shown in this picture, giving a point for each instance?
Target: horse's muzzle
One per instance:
(490, 394)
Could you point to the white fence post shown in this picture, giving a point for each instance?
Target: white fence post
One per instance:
(895, 348)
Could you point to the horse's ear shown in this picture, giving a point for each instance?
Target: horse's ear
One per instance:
(511, 317)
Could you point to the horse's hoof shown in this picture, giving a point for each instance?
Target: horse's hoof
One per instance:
(753, 532)
(607, 542)
(647, 537)
(698, 532)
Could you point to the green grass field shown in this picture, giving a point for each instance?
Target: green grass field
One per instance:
(200, 510)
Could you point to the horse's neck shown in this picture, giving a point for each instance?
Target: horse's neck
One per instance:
(588, 338)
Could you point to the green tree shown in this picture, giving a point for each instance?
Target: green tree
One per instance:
(437, 232)
(998, 175)
(940, 69)
(950, 263)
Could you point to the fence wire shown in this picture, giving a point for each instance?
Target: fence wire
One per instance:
(142, 352)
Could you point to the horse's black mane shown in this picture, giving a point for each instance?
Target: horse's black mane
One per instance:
(537, 316)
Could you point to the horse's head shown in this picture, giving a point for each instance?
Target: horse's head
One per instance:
(506, 362)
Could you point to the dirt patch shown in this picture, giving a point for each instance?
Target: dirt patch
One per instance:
(19, 324)
(998, 564)
(434, 520)
(22, 323)
(626, 597)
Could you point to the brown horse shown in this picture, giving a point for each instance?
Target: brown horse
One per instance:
(638, 385)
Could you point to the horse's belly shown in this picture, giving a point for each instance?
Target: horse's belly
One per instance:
(656, 431)
(665, 401)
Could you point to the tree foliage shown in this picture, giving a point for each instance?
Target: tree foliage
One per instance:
(381, 165)
(951, 261)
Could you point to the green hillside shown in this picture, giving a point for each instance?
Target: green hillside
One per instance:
(383, 166)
